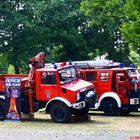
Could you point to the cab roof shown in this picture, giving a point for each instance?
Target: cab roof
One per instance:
(51, 68)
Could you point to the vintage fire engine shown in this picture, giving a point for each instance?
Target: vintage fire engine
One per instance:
(118, 87)
(55, 88)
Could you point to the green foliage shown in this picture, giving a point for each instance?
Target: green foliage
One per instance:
(11, 69)
(105, 13)
(3, 64)
(131, 26)
(20, 37)
(135, 57)
(63, 18)
(67, 29)
(104, 22)
(28, 27)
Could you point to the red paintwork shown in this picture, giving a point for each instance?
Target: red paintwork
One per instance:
(76, 85)
(72, 88)
(122, 87)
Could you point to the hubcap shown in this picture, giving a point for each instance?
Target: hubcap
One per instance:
(111, 108)
(58, 113)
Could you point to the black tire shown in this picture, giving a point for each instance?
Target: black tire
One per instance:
(2, 109)
(60, 112)
(82, 111)
(110, 108)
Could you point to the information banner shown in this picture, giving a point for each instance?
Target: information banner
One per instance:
(13, 98)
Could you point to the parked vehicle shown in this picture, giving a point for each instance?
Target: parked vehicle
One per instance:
(55, 88)
(118, 89)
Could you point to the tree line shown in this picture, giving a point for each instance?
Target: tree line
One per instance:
(68, 30)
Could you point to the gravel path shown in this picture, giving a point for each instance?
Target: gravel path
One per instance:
(99, 127)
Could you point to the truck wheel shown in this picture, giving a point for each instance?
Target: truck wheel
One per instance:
(2, 109)
(111, 108)
(82, 111)
(60, 112)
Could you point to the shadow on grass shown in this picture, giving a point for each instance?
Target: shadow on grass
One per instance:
(86, 119)
(37, 120)
(100, 113)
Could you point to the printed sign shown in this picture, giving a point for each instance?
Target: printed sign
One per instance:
(13, 98)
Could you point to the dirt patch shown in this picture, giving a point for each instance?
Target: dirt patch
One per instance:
(130, 122)
(98, 128)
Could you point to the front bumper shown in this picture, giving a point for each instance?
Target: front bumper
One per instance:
(134, 98)
(79, 105)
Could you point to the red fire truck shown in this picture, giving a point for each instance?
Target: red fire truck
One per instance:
(118, 89)
(55, 88)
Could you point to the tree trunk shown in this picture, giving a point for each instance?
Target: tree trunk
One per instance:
(16, 69)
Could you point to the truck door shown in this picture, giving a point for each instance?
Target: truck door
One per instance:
(48, 86)
(104, 82)
(121, 85)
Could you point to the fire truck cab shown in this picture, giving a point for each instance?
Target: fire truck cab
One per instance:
(118, 89)
(61, 92)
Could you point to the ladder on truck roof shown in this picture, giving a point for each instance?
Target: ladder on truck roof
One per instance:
(90, 64)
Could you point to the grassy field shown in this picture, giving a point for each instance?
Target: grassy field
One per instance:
(97, 128)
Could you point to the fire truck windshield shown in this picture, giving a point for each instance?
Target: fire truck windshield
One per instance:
(67, 74)
(135, 74)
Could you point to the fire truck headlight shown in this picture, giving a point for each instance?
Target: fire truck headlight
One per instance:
(90, 93)
(78, 96)
(91, 98)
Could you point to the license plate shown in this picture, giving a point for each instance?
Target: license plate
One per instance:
(134, 101)
(79, 105)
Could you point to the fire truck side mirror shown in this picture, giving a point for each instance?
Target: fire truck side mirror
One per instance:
(132, 80)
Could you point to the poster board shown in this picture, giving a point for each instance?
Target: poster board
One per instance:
(13, 98)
